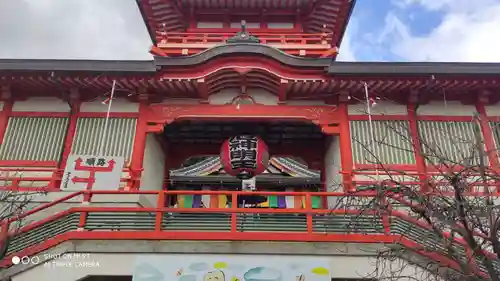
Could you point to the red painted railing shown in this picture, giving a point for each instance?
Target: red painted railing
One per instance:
(24, 178)
(411, 178)
(43, 178)
(387, 235)
(196, 42)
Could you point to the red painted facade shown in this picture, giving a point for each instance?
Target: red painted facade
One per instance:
(157, 96)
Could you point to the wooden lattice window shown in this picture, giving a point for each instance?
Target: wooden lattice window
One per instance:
(390, 144)
(452, 142)
(34, 139)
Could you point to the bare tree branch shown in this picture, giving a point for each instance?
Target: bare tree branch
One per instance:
(12, 204)
(457, 220)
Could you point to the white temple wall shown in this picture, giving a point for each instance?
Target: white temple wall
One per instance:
(340, 266)
(333, 166)
(36, 199)
(492, 110)
(380, 108)
(153, 164)
(41, 104)
(153, 173)
(118, 105)
(450, 108)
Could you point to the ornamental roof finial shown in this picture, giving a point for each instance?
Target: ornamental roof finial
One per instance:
(243, 36)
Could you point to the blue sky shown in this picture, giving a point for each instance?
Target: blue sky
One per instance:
(423, 30)
(380, 30)
(369, 20)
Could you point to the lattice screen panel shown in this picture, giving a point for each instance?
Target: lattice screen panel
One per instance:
(34, 139)
(450, 142)
(119, 140)
(390, 144)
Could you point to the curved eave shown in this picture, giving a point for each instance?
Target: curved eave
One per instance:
(412, 69)
(212, 164)
(277, 180)
(239, 49)
(343, 28)
(146, 21)
(461, 81)
(77, 66)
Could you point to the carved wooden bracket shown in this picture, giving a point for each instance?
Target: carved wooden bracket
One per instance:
(484, 96)
(5, 93)
(327, 117)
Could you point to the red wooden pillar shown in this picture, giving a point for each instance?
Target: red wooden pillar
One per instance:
(345, 148)
(139, 145)
(417, 148)
(70, 134)
(489, 140)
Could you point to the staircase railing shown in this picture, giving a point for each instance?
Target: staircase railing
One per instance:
(231, 223)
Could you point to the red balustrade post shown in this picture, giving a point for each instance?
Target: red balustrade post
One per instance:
(234, 207)
(309, 219)
(82, 221)
(386, 219)
(4, 234)
(159, 213)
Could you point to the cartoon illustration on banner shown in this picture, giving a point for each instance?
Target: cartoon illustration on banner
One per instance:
(230, 268)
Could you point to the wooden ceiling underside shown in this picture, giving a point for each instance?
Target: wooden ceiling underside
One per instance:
(173, 15)
(197, 132)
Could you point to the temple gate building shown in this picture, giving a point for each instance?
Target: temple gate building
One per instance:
(122, 159)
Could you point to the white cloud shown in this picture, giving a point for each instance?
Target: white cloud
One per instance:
(346, 51)
(469, 31)
(72, 29)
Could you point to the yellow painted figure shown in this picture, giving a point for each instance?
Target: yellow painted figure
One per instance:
(216, 275)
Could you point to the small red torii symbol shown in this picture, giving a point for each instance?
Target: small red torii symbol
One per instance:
(92, 170)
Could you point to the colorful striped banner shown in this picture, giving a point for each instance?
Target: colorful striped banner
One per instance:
(220, 201)
(189, 201)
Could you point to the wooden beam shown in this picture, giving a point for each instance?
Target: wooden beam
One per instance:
(202, 89)
(245, 12)
(282, 92)
(75, 103)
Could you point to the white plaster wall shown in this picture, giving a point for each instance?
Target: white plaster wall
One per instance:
(450, 108)
(280, 25)
(333, 167)
(249, 25)
(492, 110)
(202, 24)
(118, 105)
(153, 164)
(37, 199)
(122, 264)
(43, 104)
(259, 95)
(22, 176)
(380, 108)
